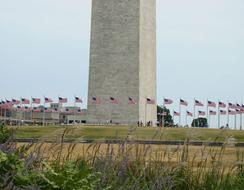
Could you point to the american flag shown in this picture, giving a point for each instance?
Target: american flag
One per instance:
(222, 112)
(26, 109)
(232, 106)
(95, 100)
(238, 106)
(36, 100)
(48, 100)
(78, 100)
(232, 112)
(150, 101)
(132, 100)
(48, 110)
(183, 102)
(212, 112)
(67, 110)
(238, 111)
(211, 104)
(222, 105)
(62, 100)
(15, 102)
(80, 111)
(113, 100)
(201, 113)
(10, 103)
(25, 101)
(189, 114)
(36, 109)
(198, 103)
(167, 101)
(176, 113)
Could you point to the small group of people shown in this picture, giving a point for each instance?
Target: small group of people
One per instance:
(148, 124)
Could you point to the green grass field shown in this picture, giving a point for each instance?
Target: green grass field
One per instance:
(133, 133)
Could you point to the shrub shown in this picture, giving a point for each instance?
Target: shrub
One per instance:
(4, 133)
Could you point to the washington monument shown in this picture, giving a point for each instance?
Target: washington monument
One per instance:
(122, 61)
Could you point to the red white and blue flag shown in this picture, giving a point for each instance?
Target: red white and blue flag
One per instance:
(15, 102)
(25, 101)
(62, 100)
(232, 112)
(132, 101)
(201, 113)
(78, 100)
(238, 106)
(96, 100)
(37, 110)
(36, 100)
(80, 111)
(176, 113)
(48, 110)
(150, 101)
(232, 106)
(222, 105)
(189, 114)
(212, 112)
(114, 100)
(183, 102)
(238, 111)
(223, 112)
(211, 104)
(48, 100)
(198, 103)
(168, 101)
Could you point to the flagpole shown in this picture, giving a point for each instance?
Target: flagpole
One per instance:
(163, 113)
(31, 110)
(186, 119)
(228, 116)
(180, 114)
(218, 115)
(43, 119)
(146, 112)
(75, 112)
(235, 121)
(194, 109)
(208, 119)
(241, 116)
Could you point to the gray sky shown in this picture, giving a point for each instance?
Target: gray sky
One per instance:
(44, 49)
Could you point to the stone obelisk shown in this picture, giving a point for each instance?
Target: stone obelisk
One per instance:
(122, 61)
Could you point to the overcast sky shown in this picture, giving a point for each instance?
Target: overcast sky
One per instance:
(44, 49)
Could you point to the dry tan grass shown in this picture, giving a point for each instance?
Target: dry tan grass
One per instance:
(170, 154)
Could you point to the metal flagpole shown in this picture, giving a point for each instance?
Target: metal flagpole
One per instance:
(180, 114)
(241, 117)
(43, 119)
(31, 110)
(163, 112)
(218, 114)
(228, 116)
(235, 122)
(208, 118)
(241, 120)
(75, 112)
(186, 119)
(194, 110)
(146, 113)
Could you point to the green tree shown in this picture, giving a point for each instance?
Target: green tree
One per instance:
(164, 116)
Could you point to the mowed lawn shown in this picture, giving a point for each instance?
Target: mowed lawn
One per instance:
(131, 133)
